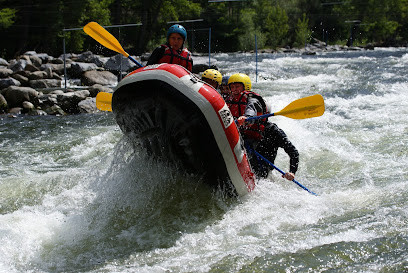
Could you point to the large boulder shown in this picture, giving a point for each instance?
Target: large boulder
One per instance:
(9, 81)
(15, 95)
(69, 101)
(99, 77)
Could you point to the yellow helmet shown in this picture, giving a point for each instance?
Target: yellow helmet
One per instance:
(213, 74)
(242, 78)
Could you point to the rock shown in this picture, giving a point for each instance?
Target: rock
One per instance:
(26, 58)
(37, 75)
(5, 72)
(37, 112)
(45, 83)
(3, 62)
(57, 61)
(48, 100)
(3, 103)
(15, 95)
(28, 106)
(88, 105)
(58, 68)
(145, 57)
(96, 88)
(22, 79)
(31, 68)
(69, 101)
(114, 64)
(54, 110)
(23, 73)
(45, 58)
(17, 65)
(15, 110)
(9, 81)
(36, 61)
(85, 57)
(57, 92)
(78, 68)
(99, 77)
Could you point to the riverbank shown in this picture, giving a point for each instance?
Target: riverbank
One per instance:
(39, 84)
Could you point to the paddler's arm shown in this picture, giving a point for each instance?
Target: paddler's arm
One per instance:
(283, 141)
(156, 55)
(252, 109)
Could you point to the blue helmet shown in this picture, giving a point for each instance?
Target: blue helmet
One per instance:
(225, 80)
(177, 29)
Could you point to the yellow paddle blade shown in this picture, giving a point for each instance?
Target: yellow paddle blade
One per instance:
(104, 101)
(106, 39)
(308, 107)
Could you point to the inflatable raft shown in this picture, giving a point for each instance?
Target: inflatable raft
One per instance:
(180, 119)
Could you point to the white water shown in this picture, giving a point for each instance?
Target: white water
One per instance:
(89, 204)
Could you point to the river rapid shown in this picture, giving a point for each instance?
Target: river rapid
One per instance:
(75, 197)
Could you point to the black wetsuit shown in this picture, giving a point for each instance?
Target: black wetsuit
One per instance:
(273, 138)
(156, 55)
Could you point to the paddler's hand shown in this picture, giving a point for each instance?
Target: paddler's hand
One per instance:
(289, 176)
(241, 120)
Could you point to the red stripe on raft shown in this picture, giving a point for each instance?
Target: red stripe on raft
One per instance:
(217, 102)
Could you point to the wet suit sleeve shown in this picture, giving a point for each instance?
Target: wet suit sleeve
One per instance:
(157, 54)
(253, 108)
(281, 140)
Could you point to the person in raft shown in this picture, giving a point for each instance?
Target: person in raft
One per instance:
(224, 89)
(173, 52)
(213, 77)
(264, 136)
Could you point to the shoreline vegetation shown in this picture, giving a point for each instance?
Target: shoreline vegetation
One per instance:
(34, 83)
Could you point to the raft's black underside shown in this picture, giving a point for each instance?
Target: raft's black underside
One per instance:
(170, 127)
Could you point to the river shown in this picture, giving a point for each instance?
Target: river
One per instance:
(75, 198)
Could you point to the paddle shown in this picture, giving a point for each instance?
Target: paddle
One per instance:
(308, 107)
(279, 170)
(106, 39)
(104, 101)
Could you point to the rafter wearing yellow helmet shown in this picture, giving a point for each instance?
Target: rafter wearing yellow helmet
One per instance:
(266, 136)
(212, 77)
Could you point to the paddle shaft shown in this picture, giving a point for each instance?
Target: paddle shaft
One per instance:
(282, 172)
(136, 62)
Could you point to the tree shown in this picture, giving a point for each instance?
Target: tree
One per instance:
(303, 32)
(7, 17)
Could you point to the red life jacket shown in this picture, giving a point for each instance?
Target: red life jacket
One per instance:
(237, 107)
(172, 56)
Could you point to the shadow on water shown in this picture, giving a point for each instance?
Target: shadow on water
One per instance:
(138, 205)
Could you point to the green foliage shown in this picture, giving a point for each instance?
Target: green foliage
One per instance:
(276, 26)
(303, 33)
(7, 16)
(38, 25)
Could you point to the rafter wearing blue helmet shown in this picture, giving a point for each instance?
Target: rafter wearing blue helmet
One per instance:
(173, 52)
